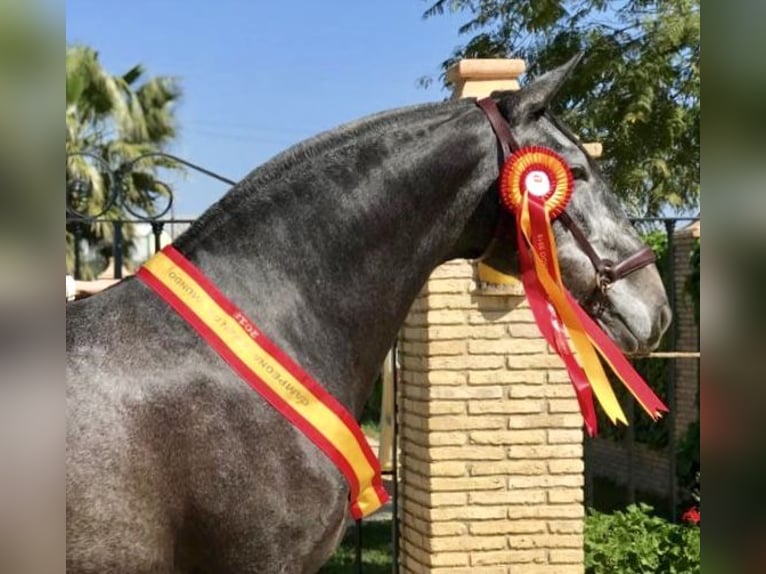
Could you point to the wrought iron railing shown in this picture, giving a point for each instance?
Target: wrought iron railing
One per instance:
(79, 202)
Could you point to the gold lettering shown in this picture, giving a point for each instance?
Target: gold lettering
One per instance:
(249, 328)
(540, 247)
(291, 389)
(183, 285)
(263, 361)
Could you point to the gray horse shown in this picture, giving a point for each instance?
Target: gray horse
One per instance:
(173, 463)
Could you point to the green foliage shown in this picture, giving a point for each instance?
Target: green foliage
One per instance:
(102, 108)
(637, 91)
(116, 118)
(634, 541)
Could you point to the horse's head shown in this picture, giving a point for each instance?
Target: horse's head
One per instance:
(633, 307)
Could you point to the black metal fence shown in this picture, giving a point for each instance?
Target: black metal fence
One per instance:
(86, 170)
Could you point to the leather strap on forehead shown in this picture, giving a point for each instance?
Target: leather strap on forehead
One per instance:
(505, 224)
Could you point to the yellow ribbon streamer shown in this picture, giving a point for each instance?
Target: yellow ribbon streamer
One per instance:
(316, 414)
(586, 354)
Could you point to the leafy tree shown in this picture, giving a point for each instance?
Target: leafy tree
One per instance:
(637, 91)
(117, 119)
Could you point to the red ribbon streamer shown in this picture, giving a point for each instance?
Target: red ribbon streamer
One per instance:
(548, 298)
(548, 319)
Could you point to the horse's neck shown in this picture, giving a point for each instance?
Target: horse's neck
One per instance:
(326, 247)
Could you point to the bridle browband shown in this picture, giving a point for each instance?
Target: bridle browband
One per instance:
(607, 271)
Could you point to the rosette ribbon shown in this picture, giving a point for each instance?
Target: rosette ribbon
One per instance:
(536, 185)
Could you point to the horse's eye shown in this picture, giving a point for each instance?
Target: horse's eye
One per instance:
(579, 173)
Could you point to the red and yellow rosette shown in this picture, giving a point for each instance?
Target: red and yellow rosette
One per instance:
(540, 172)
(536, 185)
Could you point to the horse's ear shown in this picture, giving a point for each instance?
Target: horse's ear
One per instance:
(534, 98)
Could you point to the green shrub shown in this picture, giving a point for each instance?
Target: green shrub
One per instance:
(634, 541)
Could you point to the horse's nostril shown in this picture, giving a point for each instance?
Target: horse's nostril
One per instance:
(664, 317)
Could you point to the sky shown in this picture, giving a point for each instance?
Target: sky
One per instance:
(260, 76)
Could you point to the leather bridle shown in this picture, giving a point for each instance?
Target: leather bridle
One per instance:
(607, 271)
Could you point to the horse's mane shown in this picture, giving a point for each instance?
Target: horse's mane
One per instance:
(257, 181)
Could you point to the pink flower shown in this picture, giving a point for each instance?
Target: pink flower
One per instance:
(692, 516)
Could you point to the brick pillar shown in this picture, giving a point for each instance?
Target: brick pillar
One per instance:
(490, 439)
(687, 331)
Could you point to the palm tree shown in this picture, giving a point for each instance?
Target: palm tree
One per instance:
(110, 121)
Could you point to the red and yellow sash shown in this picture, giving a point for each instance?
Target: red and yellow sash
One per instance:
(536, 185)
(270, 372)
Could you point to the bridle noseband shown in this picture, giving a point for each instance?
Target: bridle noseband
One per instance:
(607, 271)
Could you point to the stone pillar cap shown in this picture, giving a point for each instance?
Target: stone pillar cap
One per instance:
(594, 149)
(486, 69)
(693, 229)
